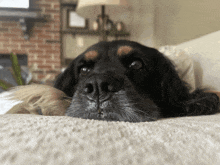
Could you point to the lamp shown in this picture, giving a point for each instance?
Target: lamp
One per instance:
(93, 8)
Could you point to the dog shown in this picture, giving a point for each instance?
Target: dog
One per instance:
(126, 81)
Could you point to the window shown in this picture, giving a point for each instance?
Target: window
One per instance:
(23, 4)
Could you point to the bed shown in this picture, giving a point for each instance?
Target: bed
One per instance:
(61, 140)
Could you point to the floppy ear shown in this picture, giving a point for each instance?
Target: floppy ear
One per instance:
(67, 80)
(173, 89)
(177, 98)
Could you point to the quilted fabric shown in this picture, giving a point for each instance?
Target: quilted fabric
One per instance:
(39, 140)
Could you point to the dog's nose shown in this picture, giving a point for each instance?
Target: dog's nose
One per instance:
(101, 88)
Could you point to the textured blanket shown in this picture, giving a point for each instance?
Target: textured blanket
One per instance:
(39, 140)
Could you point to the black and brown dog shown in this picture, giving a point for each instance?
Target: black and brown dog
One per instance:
(126, 81)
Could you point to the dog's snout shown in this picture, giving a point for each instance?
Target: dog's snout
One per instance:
(102, 88)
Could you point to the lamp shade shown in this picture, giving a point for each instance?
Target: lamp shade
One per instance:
(92, 8)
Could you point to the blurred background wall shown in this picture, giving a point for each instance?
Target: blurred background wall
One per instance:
(151, 22)
(177, 21)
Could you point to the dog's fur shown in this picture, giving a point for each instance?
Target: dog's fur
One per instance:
(40, 100)
(126, 81)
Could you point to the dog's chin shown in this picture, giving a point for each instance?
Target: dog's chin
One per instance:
(118, 108)
(111, 116)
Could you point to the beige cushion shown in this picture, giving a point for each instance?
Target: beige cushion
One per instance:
(30, 140)
(205, 53)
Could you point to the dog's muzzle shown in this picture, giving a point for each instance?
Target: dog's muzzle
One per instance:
(100, 88)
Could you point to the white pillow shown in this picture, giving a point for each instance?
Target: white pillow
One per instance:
(205, 52)
(6, 104)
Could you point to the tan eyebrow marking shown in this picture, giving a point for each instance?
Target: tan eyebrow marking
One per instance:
(124, 50)
(91, 55)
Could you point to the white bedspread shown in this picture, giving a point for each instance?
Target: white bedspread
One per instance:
(6, 104)
(32, 140)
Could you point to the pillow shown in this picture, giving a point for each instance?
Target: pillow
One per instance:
(6, 104)
(205, 53)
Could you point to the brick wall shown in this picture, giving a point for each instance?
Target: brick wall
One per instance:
(43, 47)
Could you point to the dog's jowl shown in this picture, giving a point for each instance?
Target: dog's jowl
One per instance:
(126, 81)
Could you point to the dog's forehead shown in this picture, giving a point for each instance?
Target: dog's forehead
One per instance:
(91, 55)
(107, 49)
(124, 50)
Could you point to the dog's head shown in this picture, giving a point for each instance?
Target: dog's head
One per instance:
(126, 81)
(115, 81)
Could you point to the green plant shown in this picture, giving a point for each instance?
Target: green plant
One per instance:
(16, 73)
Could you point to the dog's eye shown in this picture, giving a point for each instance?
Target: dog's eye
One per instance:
(137, 64)
(84, 70)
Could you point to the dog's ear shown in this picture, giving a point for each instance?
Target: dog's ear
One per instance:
(161, 79)
(67, 80)
(165, 87)
(176, 97)
(173, 89)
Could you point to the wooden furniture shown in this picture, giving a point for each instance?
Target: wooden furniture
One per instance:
(75, 40)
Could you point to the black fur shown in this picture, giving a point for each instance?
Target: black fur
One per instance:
(108, 89)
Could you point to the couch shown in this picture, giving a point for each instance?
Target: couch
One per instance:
(62, 140)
